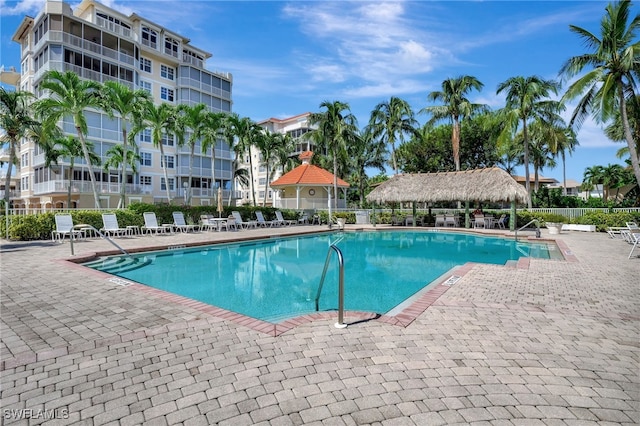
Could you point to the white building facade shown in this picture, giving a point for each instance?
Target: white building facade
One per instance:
(295, 127)
(101, 44)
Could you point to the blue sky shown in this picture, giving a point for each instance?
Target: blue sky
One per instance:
(288, 57)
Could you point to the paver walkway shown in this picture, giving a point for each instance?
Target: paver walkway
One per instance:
(550, 343)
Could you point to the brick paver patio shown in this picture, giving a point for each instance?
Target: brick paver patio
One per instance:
(546, 342)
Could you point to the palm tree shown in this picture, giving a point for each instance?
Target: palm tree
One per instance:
(562, 140)
(593, 176)
(335, 126)
(15, 119)
(71, 96)
(161, 120)
(69, 147)
(284, 160)
(116, 156)
(268, 146)
(612, 177)
(126, 103)
(247, 133)
(211, 131)
(390, 121)
(192, 118)
(456, 107)
(366, 152)
(614, 58)
(525, 102)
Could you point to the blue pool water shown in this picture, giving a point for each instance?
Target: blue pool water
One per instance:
(275, 279)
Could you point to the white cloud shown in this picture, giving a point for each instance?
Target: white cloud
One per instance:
(23, 7)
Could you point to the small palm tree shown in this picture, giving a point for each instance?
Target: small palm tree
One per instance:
(119, 100)
(456, 107)
(268, 146)
(115, 158)
(71, 96)
(335, 126)
(245, 133)
(527, 100)
(161, 120)
(366, 152)
(593, 176)
(193, 120)
(15, 119)
(212, 132)
(69, 147)
(391, 121)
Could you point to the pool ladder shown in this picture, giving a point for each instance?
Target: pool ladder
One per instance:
(340, 323)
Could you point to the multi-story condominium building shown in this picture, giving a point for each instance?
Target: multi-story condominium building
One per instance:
(102, 44)
(295, 127)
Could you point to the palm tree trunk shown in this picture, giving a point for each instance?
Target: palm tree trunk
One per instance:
(393, 158)
(253, 191)
(193, 147)
(633, 150)
(85, 152)
(335, 181)
(455, 143)
(70, 183)
(124, 167)
(564, 174)
(166, 175)
(266, 184)
(7, 181)
(526, 163)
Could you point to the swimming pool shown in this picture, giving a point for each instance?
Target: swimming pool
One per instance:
(275, 279)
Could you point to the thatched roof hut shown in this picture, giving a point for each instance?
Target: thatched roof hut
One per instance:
(491, 184)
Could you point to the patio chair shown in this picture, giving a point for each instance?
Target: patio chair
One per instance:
(181, 225)
(440, 220)
(262, 222)
(65, 227)
(397, 220)
(110, 225)
(151, 224)
(206, 223)
(502, 222)
(303, 219)
(450, 220)
(478, 221)
(241, 223)
(282, 221)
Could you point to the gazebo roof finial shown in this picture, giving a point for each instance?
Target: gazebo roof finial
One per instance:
(305, 157)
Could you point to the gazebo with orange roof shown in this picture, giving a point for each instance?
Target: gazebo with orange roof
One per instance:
(307, 187)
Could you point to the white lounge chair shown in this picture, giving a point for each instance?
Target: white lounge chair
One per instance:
(450, 220)
(181, 225)
(440, 220)
(282, 221)
(262, 222)
(110, 225)
(65, 227)
(151, 224)
(502, 222)
(241, 223)
(478, 221)
(635, 240)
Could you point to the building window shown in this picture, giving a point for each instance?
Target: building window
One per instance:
(163, 187)
(169, 160)
(146, 86)
(149, 37)
(262, 181)
(167, 72)
(24, 161)
(171, 47)
(145, 180)
(145, 64)
(166, 94)
(145, 136)
(167, 139)
(145, 159)
(24, 183)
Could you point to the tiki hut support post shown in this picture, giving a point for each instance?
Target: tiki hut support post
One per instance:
(512, 219)
(467, 222)
(414, 213)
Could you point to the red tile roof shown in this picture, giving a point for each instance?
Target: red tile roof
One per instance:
(307, 174)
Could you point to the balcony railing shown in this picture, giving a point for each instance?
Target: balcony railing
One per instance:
(307, 203)
(62, 186)
(115, 28)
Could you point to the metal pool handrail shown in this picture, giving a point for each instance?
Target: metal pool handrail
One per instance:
(529, 223)
(340, 323)
(103, 236)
